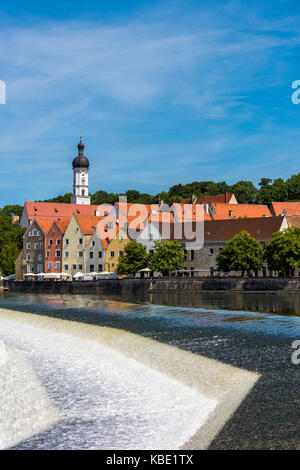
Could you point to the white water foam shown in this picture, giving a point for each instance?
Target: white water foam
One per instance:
(104, 399)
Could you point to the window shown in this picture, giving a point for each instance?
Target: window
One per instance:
(112, 254)
(28, 246)
(41, 245)
(73, 266)
(79, 266)
(36, 246)
(35, 233)
(100, 254)
(31, 268)
(91, 268)
(57, 253)
(121, 253)
(57, 264)
(66, 254)
(50, 264)
(80, 241)
(39, 268)
(93, 243)
(39, 233)
(27, 257)
(67, 241)
(211, 251)
(66, 267)
(47, 254)
(40, 257)
(58, 241)
(50, 241)
(91, 255)
(192, 255)
(99, 268)
(80, 254)
(30, 234)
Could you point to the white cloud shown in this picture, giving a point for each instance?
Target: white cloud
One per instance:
(173, 92)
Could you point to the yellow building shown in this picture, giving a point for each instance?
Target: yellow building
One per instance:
(115, 249)
(76, 238)
(20, 269)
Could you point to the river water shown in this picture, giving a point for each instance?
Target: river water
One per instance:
(258, 338)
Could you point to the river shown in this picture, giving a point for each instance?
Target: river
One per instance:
(257, 339)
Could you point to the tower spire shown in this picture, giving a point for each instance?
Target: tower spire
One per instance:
(80, 177)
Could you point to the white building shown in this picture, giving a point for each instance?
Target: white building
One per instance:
(81, 178)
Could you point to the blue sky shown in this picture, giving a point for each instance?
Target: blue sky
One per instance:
(162, 93)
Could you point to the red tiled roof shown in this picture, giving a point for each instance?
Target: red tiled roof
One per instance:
(222, 198)
(235, 211)
(189, 212)
(261, 228)
(87, 223)
(45, 224)
(63, 224)
(285, 208)
(293, 220)
(53, 210)
(129, 207)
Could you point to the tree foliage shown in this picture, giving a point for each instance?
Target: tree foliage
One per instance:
(282, 252)
(135, 257)
(8, 255)
(167, 256)
(241, 253)
(245, 191)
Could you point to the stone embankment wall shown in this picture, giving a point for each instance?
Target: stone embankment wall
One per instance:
(142, 286)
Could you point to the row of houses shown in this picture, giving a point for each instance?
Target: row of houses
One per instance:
(74, 238)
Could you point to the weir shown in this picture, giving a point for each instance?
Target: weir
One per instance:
(110, 389)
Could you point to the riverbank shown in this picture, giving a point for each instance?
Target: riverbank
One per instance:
(145, 286)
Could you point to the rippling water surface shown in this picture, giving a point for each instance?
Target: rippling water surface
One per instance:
(260, 342)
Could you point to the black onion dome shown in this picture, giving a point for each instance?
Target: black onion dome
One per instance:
(80, 161)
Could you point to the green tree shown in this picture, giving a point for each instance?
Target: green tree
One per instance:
(282, 252)
(66, 198)
(135, 257)
(293, 187)
(167, 256)
(132, 194)
(241, 253)
(265, 182)
(8, 255)
(12, 209)
(265, 195)
(244, 191)
(10, 232)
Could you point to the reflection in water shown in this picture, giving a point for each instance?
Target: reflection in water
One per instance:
(269, 302)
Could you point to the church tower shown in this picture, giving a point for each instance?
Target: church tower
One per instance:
(80, 177)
